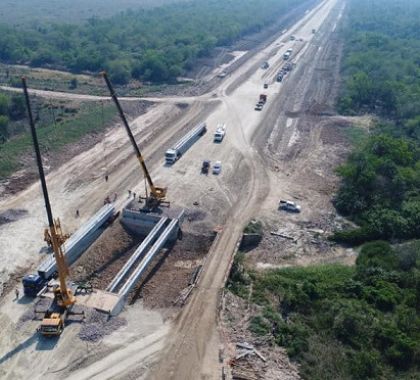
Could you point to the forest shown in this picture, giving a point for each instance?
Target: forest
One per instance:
(380, 187)
(24, 12)
(156, 45)
(341, 322)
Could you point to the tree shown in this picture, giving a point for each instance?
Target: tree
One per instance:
(4, 122)
(119, 71)
(4, 104)
(17, 109)
(378, 254)
(73, 83)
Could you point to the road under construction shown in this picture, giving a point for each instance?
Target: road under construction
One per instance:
(178, 338)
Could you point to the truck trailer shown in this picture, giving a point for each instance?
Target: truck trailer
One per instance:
(72, 249)
(173, 154)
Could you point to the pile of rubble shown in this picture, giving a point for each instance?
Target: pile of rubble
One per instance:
(97, 325)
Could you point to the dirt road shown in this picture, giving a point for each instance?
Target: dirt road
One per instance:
(192, 352)
(229, 199)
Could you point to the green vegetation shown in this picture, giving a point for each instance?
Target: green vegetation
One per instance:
(155, 45)
(54, 136)
(381, 180)
(253, 227)
(341, 322)
(11, 108)
(23, 12)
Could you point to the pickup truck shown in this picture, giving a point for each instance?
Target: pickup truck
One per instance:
(289, 206)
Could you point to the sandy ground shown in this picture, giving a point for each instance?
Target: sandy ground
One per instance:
(254, 176)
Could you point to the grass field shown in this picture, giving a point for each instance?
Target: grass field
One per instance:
(21, 12)
(54, 137)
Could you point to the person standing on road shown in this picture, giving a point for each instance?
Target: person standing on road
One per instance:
(16, 294)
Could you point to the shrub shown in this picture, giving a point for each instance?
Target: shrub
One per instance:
(260, 326)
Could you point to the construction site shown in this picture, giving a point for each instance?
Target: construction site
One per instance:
(115, 267)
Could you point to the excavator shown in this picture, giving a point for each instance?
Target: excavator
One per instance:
(53, 321)
(157, 196)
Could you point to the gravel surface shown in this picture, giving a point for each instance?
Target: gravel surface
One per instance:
(97, 325)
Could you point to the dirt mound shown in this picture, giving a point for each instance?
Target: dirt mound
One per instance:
(11, 215)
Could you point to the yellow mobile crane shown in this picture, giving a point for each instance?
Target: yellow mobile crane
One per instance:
(53, 321)
(157, 195)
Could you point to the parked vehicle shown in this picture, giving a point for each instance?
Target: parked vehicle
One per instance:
(205, 167)
(217, 167)
(279, 77)
(292, 38)
(219, 135)
(289, 206)
(265, 65)
(173, 154)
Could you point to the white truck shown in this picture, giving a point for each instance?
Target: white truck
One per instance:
(219, 135)
(174, 153)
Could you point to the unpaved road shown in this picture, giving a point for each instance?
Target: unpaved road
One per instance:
(192, 352)
(229, 199)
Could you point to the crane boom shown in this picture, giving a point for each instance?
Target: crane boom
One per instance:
(158, 194)
(63, 294)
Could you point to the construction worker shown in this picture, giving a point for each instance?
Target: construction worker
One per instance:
(17, 293)
(77, 213)
(106, 178)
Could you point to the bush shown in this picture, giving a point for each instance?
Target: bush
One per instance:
(365, 364)
(253, 227)
(378, 254)
(259, 326)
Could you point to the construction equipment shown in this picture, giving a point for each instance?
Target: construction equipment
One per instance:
(72, 249)
(157, 194)
(48, 238)
(63, 296)
(52, 324)
(186, 142)
(219, 135)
